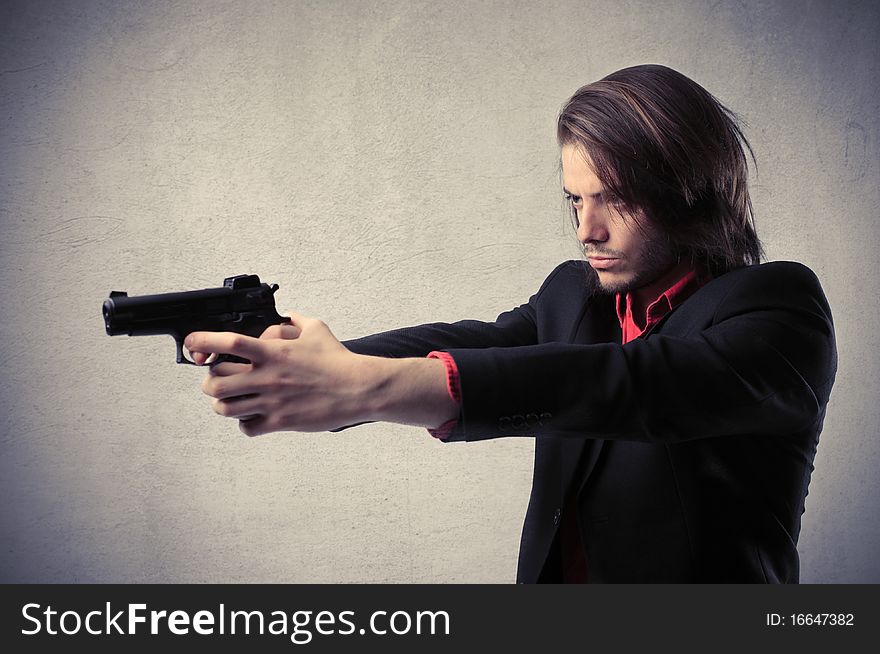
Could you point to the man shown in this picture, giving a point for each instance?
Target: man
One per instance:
(676, 387)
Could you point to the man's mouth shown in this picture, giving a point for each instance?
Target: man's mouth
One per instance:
(601, 262)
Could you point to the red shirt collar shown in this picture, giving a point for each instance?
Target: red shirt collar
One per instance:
(681, 290)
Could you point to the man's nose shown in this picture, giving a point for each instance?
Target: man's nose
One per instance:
(591, 226)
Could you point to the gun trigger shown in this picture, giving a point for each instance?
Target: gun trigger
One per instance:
(181, 358)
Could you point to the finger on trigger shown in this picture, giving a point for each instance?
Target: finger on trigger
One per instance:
(246, 347)
(197, 358)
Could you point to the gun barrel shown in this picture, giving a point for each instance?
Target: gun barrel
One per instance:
(143, 315)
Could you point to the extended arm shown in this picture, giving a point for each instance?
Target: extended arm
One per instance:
(764, 363)
(302, 379)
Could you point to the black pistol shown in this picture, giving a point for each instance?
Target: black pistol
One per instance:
(242, 305)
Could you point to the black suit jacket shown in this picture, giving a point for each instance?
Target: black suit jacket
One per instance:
(689, 449)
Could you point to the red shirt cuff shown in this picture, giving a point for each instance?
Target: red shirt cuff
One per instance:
(453, 387)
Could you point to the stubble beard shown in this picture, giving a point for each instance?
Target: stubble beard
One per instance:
(654, 260)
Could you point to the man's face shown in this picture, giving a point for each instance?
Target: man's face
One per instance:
(626, 250)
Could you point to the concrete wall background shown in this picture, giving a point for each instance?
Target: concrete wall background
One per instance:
(387, 163)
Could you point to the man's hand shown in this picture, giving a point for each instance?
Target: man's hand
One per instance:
(301, 378)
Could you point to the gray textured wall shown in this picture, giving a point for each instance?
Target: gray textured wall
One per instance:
(387, 163)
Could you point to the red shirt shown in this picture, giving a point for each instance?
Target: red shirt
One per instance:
(666, 302)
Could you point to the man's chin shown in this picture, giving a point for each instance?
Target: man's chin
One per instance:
(611, 283)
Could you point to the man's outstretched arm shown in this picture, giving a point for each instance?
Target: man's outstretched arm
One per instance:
(301, 378)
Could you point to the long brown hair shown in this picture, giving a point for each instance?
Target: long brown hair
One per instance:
(660, 142)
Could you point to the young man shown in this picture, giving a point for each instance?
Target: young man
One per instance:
(676, 387)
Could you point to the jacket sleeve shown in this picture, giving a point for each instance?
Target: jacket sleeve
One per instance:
(514, 328)
(765, 364)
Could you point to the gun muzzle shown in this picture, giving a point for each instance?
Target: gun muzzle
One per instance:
(113, 326)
